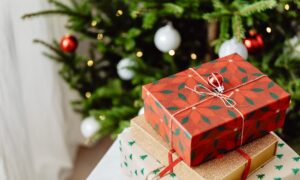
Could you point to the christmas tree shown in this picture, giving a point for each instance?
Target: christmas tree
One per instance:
(133, 42)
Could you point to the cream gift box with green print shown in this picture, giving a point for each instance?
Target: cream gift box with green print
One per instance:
(136, 163)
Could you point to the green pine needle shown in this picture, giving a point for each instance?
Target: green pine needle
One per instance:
(52, 48)
(53, 57)
(224, 27)
(149, 19)
(173, 8)
(53, 12)
(214, 15)
(217, 4)
(257, 7)
(237, 27)
(60, 5)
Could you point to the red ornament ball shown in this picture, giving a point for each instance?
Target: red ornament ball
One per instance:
(253, 42)
(68, 43)
(216, 81)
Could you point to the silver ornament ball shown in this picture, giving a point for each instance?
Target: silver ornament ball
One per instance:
(233, 46)
(123, 69)
(167, 38)
(89, 126)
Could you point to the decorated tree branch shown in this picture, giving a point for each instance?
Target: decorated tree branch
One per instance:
(135, 42)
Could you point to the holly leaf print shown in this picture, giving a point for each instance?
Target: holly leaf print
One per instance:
(242, 70)
(257, 90)
(205, 119)
(249, 100)
(182, 96)
(166, 91)
(274, 96)
(181, 86)
(172, 108)
(223, 70)
(271, 84)
(214, 107)
(184, 120)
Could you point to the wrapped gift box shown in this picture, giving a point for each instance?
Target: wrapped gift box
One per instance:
(230, 166)
(285, 165)
(136, 163)
(187, 113)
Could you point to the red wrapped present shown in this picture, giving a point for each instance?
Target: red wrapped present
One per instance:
(205, 111)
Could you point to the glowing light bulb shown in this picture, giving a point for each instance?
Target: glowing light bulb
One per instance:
(268, 29)
(171, 52)
(139, 54)
(193, 56)
(100, 36)
(88, 94)
(119, 12)
(287, 7)
(94, 23)
(102, 117)
(90, 63)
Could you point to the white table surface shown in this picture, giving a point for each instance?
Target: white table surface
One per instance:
(109, 166)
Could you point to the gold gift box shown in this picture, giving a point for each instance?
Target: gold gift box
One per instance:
(230, 167)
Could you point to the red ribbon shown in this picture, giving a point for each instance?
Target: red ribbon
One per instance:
(248, 165)
(171, 165)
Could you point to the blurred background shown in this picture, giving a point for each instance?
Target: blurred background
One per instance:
(72, 70)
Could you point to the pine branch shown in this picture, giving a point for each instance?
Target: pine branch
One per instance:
(51, 47)
(224, 28)
(53, 57)
(60, 5)
(75, 4)
(237, 27)
(149, 19)
(214, 15)
(51, 12)
(173, 8)
(257, 7)
(217, 4)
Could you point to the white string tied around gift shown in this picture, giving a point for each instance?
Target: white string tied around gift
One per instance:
(226, 99)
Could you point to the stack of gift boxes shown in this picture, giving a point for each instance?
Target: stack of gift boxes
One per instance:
(213, 121)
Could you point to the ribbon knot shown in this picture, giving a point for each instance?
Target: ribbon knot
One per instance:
(226, 99)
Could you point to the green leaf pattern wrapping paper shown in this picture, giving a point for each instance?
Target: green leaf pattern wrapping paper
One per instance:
(137, 164)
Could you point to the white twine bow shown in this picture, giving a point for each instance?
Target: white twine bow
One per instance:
(226, 99)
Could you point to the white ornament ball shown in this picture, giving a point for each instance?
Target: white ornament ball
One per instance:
(233, 46)
(167, 38)
(141, 111)
(295, 44)
(89, 126)
(123, 69)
